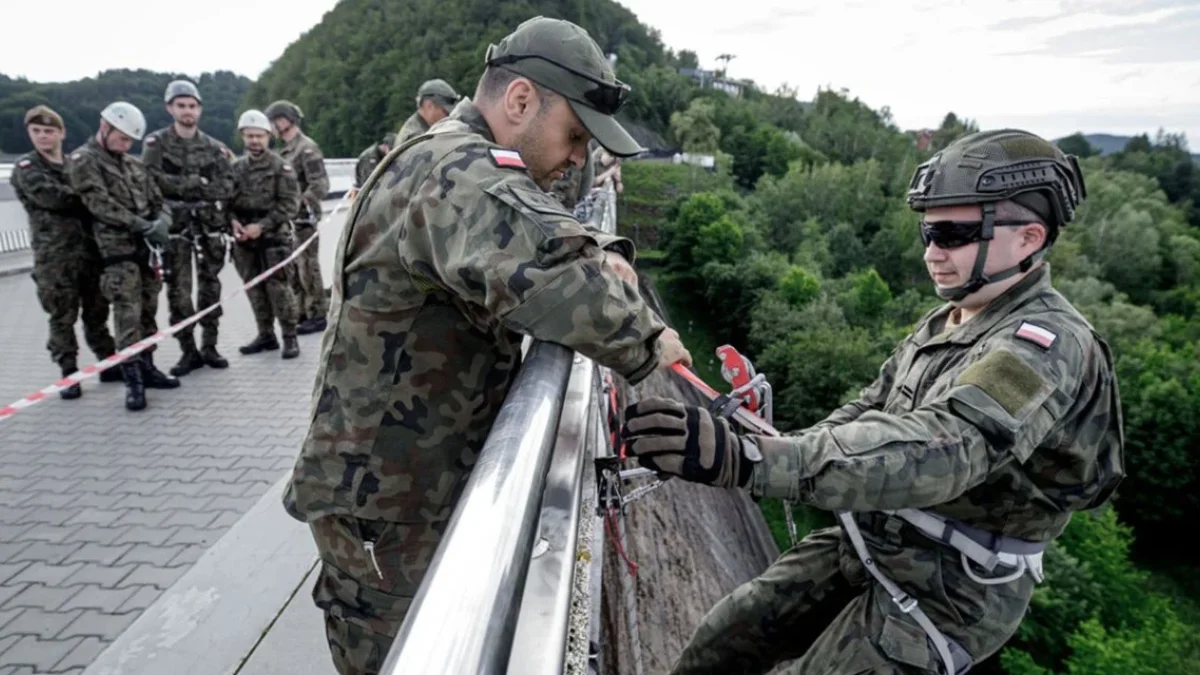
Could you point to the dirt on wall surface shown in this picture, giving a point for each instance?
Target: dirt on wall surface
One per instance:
(692, 545)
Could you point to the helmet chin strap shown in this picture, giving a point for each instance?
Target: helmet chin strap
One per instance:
(978, 279)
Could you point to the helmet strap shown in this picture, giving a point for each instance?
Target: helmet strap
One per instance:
(978, 279)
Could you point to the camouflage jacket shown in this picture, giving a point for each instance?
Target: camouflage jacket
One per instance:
(265, 191)
(367, 160)
(190, 170)
(414, 126)
(1008, 422)
(115, 188)
(450, 255)
(59, 225)
(309, 164)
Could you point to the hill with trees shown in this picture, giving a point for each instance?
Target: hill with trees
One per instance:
(80, 102)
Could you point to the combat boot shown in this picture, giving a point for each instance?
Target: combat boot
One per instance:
(135, 390)
(153, 378)
(264, 342)
(291, 347)
(212, 358)
(189, 361)
(311, 326)
(74, 391)
(112, 373)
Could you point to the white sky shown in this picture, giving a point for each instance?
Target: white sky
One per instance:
(1051, 66)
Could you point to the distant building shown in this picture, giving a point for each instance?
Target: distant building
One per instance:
(708, 78)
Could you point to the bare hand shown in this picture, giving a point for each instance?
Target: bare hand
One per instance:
(239, 233)
(253, 231)
(673, 350)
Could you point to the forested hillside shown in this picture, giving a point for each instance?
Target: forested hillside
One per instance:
(801, 250)
(80, 102)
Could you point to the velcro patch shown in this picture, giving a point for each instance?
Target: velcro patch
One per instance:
(287, 168)
(1036, 334)
(24, 164)
(151, 140)
(76, 155)
(1006, 378)
(506, 158)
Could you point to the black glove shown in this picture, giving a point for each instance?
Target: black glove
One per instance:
(670, 437)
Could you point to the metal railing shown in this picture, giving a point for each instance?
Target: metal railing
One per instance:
(502, 593)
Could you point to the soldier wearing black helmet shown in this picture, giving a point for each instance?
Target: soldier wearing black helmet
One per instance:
(309, 165)
(989, 426)
(435, 100)
(196, 180)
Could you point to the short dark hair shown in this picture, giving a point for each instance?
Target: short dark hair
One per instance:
(495, 81)
(1010, 210)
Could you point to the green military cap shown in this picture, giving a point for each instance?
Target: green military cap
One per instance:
(43, 115)
(563, 58)
(440, 91)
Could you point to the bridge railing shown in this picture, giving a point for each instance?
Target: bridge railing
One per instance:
(513, 587)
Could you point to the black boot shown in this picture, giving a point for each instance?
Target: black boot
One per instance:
(111, 374)
(311, 326)
(154, 378)
(135, 390)
(291, 348)
(212, 358)
(74, 391)
(189, 361)
(264, 342)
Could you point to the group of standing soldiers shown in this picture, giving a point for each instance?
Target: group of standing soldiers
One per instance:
(108, 230)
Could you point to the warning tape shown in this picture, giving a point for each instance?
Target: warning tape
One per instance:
(143, 344)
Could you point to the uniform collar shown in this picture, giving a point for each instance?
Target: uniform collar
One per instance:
(1034, 284)
(471, 116)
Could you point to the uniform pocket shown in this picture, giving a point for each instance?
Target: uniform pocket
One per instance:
(904, 641)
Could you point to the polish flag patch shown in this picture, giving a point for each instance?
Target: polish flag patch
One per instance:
(1036, 334)
(507, 158)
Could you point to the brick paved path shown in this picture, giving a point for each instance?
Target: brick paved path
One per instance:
(102, 509)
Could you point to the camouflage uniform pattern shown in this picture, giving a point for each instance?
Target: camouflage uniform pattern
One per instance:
(265, 192)
(309, 164)
(975, 423)
(574, 184)
(367, 160)
(192, 170)
(116, 189)
(66, 261)
(445, 261)
(414, 126)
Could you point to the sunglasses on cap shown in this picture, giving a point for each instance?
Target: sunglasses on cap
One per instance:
(956, 233)
(605, 97)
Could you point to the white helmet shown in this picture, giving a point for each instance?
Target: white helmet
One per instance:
(254, 119)
(126, 118)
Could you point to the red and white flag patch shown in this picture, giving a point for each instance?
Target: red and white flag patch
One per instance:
(1036, 334)
(507, 158)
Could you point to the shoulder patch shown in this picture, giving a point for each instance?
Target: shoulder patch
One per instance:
(287, 168)
(76, 155)
(1036, 334)
(24, 164)
(151, 139)
(506, 158)
(308, 151)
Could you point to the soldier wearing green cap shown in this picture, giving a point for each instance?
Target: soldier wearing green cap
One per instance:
(452, 253)
(435, 100)
(368, 158)
(993, 422)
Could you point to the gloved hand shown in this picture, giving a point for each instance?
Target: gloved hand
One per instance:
(155, 231)
(669, 437)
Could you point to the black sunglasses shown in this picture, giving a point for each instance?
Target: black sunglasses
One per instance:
(956, 233)
(606, 97)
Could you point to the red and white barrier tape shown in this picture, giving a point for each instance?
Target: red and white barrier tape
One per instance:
(141, 345)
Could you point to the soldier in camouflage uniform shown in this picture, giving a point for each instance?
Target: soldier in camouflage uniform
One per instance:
(265, 196)
(66, 262)
(994, 421)
(452, 252)
(435, 100)
(131, 227)
(195, 178)
(370, 157)
(309, 164)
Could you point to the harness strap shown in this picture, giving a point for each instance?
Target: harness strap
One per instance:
(955, 659)
(987, 549)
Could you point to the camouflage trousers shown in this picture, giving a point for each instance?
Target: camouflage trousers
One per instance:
(64, 289)
(818, 608)
(307, 282)
(132, 293)
(183, 259)
(365, 598)
(272, 299)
